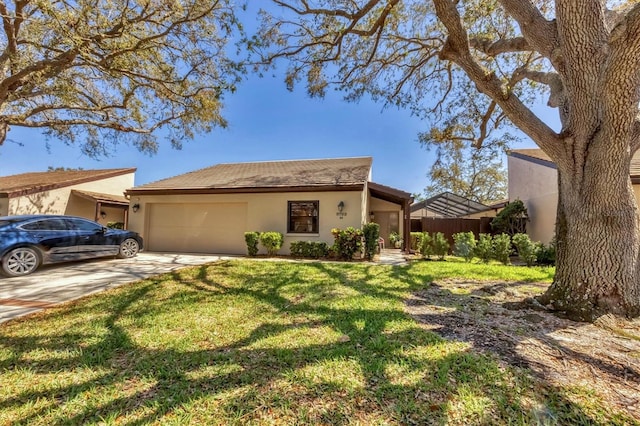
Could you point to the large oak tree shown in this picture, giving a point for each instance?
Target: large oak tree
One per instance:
(583, 55)
(99, 72)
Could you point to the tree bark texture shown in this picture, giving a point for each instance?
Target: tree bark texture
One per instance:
(598, 234)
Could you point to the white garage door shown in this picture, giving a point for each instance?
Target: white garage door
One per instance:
(197, 228)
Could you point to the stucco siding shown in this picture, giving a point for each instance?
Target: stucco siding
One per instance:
(60, 201)
(4, 206)
(265, 212)
(536, 186)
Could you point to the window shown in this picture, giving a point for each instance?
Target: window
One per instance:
(46, 225)
(303, 217)
(83, 225)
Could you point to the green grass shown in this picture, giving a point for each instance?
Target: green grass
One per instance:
(250, 342)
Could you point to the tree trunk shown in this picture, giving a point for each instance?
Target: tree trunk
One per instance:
(598, 241)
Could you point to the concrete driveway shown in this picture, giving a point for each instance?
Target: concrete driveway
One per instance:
(63, 282)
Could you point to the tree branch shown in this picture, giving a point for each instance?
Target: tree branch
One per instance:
(456, 49)
(494, 48)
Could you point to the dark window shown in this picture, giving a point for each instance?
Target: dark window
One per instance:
(46, 225)
(303, 217)
(83, 225)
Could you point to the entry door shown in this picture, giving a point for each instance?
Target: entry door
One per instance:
(389, 222)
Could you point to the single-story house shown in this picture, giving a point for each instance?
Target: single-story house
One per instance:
(93, 194)
(533, 178)
(209, 210)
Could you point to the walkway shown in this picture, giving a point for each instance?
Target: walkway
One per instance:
(392, 257)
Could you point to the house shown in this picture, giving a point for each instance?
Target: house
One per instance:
(209, 210)
(448, 204)
(93, 194)
(533, 178)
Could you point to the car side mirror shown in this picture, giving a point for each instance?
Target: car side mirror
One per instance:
(104, 229)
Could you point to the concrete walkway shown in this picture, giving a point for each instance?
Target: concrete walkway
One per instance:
(392, 257)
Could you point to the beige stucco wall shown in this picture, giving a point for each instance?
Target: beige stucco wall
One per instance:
(60, 201)
(536, 185)
(420, 213)
(267, 212)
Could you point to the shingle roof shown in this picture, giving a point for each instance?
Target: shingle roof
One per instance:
(101, 197)
(333, 172)
(30, 183)
(540, 155)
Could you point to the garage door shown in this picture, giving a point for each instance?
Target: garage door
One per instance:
(197, 228)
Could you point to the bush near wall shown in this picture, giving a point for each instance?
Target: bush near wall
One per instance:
(371, 233)
(271, 241)
(309, 249)
(252, 239)
(115, 225)
(347, 242)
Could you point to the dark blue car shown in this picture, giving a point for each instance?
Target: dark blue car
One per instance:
(26, 242)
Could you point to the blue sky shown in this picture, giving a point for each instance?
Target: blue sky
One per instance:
(266, 122)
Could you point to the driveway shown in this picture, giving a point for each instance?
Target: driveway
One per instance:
(63, 282)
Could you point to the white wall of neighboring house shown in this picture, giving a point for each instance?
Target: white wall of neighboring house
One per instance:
(60, 201)
(536, 186)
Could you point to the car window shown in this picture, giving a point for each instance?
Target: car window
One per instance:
(54, 224)
(83, 225)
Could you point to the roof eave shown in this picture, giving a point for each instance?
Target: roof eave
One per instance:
(244, 190)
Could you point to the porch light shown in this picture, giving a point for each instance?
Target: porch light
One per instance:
(341, 206)
(135, 207)
(103, 214)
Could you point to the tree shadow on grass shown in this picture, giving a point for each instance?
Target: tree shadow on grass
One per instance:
(405, 374)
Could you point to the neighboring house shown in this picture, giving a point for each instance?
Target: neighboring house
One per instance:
(93, 194)
(209, 210)
(533, 178)
(448, 205)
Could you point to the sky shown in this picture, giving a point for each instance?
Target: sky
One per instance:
(266, 122)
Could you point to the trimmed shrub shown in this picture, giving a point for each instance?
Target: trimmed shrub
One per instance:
(371, 233)
(394, 239)
(252, 239)
(484, 248)
(115, 225)
(440, 245)
(416, 241)
(272, 241)
(511, 220)
(502, 248)
(464, 245)
(347, 242)
(426, 246)
(546, 254)
(526, 248)
(309, 249)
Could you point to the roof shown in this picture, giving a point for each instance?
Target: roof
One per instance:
(267, 176)
(538, 156)
(388, 193)
(450, 205)
(119, 200)
(34, 182)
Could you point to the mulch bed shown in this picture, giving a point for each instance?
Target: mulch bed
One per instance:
(502, 319)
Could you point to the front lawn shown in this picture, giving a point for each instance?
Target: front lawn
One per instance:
(254, 342)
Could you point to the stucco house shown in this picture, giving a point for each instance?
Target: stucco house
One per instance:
(209, 210)
(93, 194)
(533, 178)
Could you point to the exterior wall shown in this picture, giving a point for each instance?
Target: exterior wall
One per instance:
(420, 213)
(536, 185)
(4, 206)
(486, 213)
(60, 201)
(266, 212)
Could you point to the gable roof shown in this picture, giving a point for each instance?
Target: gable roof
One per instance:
(538, 156)
(267, 176)
(34, 182)
(450, 205)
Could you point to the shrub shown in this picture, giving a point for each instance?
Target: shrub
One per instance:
(464, 245)
(272, 241)
(371, 233)
(546, 254)
(512, 219)
(440, 245)
(347, 242)
(252, 239)
(115, 225)
(416, 241)
(526, 248)
(502, 248)
(484, 248)
(394, 239)
(426, 246)
(310, 249)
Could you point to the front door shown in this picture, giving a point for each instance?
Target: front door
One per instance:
(389, 222)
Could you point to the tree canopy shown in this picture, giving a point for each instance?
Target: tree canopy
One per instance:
(472, 67)
(100, 72)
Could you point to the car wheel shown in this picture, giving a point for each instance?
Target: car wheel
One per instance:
(128, 248)
(20, 261)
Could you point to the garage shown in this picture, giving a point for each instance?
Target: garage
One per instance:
(197, 227)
